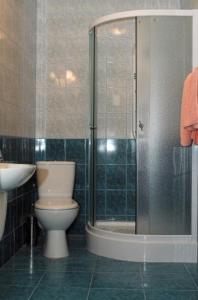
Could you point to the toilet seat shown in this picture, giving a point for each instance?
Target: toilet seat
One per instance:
(52, 203)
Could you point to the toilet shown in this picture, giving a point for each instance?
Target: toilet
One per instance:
(55, 209)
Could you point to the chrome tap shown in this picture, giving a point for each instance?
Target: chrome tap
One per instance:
(1, 157)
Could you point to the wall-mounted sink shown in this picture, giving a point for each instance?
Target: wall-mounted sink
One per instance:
(11, 176)
(14, 175)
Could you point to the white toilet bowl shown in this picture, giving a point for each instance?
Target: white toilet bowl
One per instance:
(55, 209)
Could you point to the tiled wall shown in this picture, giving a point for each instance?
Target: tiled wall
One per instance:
(17, 110)
(17, 67)
(20, 150)
(63, 62)
(116, 176)
(62, 105)
(189, 4)
(116, 179)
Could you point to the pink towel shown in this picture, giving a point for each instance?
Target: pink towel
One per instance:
(189, 110)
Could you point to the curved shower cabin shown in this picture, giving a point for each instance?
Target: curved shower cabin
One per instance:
(142, 183)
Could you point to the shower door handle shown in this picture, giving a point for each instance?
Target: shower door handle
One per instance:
(141, 125)
(92, 127)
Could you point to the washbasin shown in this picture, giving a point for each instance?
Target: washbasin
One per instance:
(14, 175)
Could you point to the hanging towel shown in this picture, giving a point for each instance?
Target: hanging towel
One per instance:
(189, 110)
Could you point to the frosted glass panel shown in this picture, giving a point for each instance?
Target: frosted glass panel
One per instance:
(164, 168)
(115, 65)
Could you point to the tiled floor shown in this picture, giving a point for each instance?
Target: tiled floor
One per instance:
(84, 276)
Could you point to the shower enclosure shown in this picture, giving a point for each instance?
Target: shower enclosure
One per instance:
(143, 193)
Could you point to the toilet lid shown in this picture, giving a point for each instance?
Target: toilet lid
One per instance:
(56, 203)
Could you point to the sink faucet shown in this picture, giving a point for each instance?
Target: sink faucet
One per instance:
(1, 157)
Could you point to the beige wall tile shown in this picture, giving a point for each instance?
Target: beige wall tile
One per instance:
(18, 67)
(63, 67)
(116, 126)
(188, 4)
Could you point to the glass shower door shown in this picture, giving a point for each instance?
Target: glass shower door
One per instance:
(164, 57)
(92, 139)
(112, 151)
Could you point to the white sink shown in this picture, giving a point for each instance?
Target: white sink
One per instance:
(11, 177)
(14, 175)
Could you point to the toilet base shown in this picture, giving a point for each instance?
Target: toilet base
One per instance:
(56, 244)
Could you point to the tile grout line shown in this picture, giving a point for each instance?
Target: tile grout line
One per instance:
(131, 289)
(90, 286)
(126, 179)
(144, 293)
(142, 281)
(89, 289)
(190, 276)
(36, 286)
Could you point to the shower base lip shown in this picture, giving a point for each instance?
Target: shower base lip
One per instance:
(141, 248)
(124, 227)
